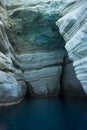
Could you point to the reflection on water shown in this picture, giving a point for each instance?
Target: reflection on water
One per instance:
(45, 114)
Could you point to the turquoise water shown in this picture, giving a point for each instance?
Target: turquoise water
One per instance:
(45, 114)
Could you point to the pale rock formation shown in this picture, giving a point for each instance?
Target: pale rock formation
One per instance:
(81, 71)
(70, 85)
(15, 3)
(43, 71)
(5, 63)
(33, 35)
(35, 28)
(10, 90)
(32, 49)
(38, 44)
(73, 27)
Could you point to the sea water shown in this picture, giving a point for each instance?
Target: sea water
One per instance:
(45, 114)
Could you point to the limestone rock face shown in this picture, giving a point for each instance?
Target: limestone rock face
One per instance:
(19, 2)
(35, 28)
(37, 44)
(5, 63)
(32, 50)
(73, 27)
(31, 56)
(70, 85)
(43, 71)
(10, 90)
(4, 46)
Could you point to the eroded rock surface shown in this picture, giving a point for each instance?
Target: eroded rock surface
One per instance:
(38, 45)
(43, 71)
(34, 27)
(73, 27)
(70, 86)
(32, 54)
(11, 91)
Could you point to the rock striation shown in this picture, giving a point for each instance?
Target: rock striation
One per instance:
(70, 86)
(29, 50)
(34, 27)
(43, 71)
(73, 27)
(11, 91)
(32, 53)
(38, 44)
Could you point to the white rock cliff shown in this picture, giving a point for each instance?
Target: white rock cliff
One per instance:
(32, 53)
(73, 27)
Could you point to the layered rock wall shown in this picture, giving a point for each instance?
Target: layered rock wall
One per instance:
(10, 90)
(38, 45)
(43, 71)
(73, 27)
(32, 53)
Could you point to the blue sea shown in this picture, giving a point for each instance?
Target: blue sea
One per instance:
(45, 114)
